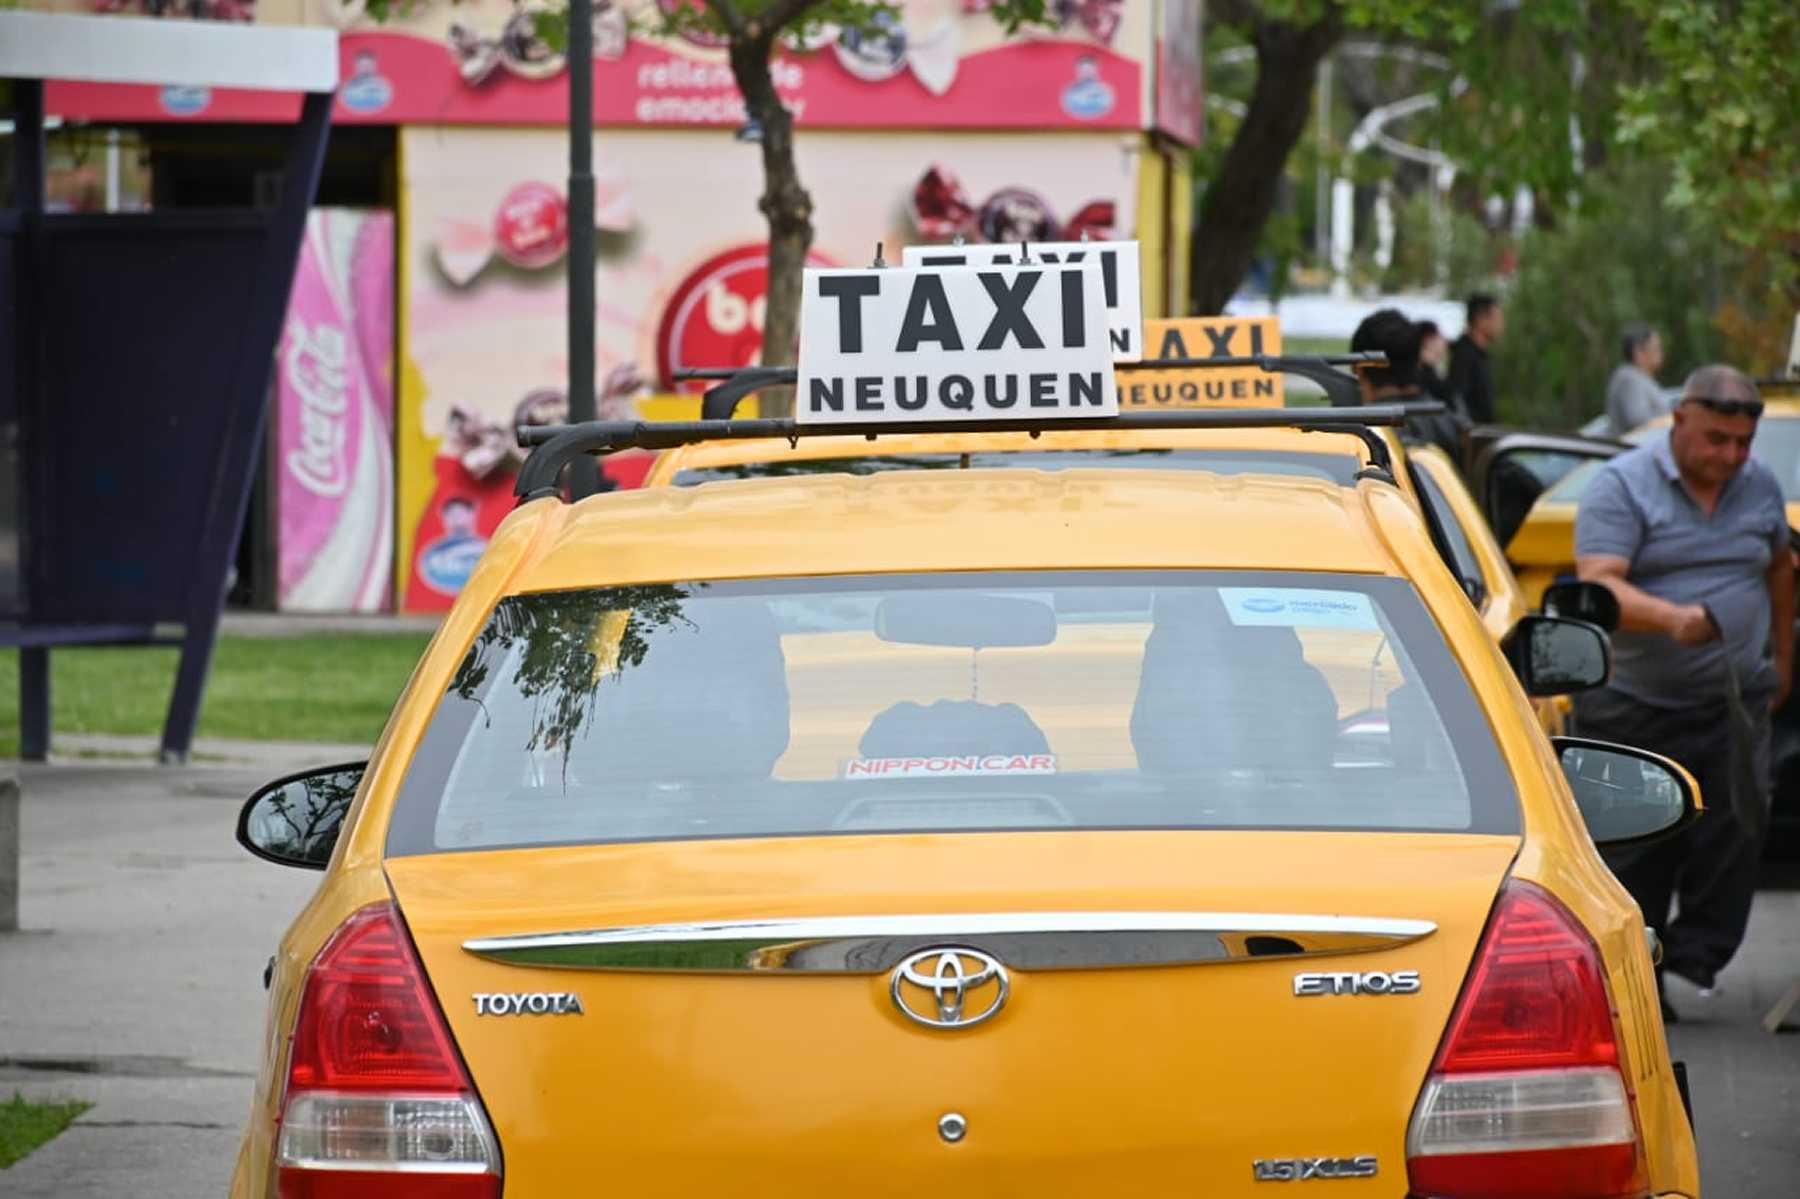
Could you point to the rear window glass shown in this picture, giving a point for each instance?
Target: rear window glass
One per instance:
(1333, 468)
(1078, 700)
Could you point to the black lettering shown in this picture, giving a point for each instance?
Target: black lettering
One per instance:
(913, 402)
(945, 260)
(1109, 270)
(1121, 340)
(956, 392)
(1221, 341)
(1256, 340)
(849, 291)
(1237, 389)
(1009, 311)
(1264, 387)
(1043, 390)
(1086, 389)
(1136, 395)
(1012, 391)
(1190, 392)
(1074, 311)
(1162, 392)
(826, 393)
(928, 293)
(868, 393)
(1172, 345)
(1215, 391)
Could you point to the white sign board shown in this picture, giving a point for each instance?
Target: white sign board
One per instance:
(902, 344)
(1118, 265)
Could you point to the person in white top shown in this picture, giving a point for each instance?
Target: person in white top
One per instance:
(1632, 394)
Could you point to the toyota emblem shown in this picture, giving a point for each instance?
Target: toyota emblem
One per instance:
(950, 988)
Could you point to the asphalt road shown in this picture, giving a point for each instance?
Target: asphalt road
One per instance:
(1745, 1081)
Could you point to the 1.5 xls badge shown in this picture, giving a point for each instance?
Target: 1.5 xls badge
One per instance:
(1303, 1169)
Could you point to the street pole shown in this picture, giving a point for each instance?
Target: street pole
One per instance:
(584, 472)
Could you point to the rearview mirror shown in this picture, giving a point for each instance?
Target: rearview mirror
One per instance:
(1627, 796)
(295, 821)
(1591, 602)
(964, 619)
(1554, 656)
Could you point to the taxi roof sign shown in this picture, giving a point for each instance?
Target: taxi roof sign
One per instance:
(1207, 339)
(898, 345)
(1119, 268)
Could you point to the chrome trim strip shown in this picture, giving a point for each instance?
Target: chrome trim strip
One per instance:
(1022, 940)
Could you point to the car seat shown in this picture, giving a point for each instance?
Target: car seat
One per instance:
(1217, 696)
(707, 700)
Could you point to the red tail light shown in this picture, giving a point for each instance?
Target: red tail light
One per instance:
(378, 1102)
(1526, 1099)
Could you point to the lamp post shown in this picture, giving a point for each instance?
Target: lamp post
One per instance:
(584, 472)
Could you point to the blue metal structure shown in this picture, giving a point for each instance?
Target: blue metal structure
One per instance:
(136, 352)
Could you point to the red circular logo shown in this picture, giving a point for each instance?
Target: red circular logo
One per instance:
(532, 226)
(715, 315)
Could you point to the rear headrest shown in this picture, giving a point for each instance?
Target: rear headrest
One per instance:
(707, 698)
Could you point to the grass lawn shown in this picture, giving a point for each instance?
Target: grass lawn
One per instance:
(325, 687)
(24, 1126)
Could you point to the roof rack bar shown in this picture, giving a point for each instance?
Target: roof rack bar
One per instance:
(555, 446)
(720, 403)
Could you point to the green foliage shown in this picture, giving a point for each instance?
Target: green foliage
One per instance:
(1626, 255)
(557, 639)
(24, 1126)
(1445, 247)
(1722, 111)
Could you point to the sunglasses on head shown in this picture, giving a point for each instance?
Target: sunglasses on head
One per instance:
(1726, 407)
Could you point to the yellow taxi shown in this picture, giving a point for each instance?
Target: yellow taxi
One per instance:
(1022, 831)
(1423, 472)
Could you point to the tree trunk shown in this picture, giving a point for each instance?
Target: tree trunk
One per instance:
(785, 204)
(1241, 196)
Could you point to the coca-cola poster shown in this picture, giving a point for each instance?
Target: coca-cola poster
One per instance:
(334, 411)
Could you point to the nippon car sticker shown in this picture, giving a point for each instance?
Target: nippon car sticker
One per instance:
(1299, 608)
(897, 344)
(949, 766)
(1120, 269)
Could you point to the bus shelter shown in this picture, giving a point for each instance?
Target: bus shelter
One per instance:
(135, 358)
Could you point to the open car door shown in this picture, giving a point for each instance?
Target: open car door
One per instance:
(1529, 485)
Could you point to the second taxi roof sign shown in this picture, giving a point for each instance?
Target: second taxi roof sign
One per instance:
(954, 343)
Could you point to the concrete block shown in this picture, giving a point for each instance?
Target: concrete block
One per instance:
(9, 851)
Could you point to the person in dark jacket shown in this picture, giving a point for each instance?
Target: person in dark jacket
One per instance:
(1389, 332)
(1434, 360)
(1471, 374)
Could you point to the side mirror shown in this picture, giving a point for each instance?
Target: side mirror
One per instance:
(1554, 656)
(294, 821)
(1583, 601)
(1627, 796)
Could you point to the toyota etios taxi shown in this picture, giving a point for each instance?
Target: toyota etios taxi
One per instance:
(1009, 832)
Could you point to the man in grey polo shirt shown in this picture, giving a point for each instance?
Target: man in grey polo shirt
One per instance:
(1690, 533)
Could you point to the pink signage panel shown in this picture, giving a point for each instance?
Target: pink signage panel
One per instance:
(334, 419)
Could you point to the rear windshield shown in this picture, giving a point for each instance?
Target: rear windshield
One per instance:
(1336, 468)
(962, 702)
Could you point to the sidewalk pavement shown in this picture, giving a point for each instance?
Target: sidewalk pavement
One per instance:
(136, 982)
(137, 985)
